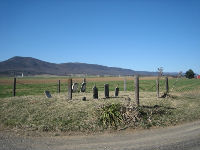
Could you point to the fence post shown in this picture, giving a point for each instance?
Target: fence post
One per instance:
(166, 84)
(70, 88)
(158, 87)
(106, 90)
(14, 87)
(124, 84)
(58, 86)
(137, 90)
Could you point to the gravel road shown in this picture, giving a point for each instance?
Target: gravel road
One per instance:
(182, 137)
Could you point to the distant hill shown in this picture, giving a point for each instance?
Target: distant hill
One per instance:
(31, 66)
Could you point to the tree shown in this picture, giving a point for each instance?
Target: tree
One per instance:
(189, 74)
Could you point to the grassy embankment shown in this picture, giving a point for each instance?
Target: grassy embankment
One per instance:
(37, 113)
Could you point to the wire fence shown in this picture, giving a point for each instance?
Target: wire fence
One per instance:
(177, 85)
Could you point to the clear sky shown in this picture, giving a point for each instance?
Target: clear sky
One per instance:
(133, 34)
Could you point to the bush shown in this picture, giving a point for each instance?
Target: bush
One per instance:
(189, 74)
(110, 115)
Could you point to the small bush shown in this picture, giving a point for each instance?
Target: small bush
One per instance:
(110, 116)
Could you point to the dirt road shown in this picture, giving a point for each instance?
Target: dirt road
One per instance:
(182, 137)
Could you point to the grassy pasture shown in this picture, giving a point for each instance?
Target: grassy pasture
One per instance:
(36, 85)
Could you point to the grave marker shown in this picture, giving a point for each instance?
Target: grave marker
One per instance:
(48, 94)
(95, 92)
(83, 87)
(75, 87)
(106, 90)
(116, 91)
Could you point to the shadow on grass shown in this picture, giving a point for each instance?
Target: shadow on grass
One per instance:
(157, 106)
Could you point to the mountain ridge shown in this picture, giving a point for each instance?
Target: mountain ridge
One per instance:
(32, 66)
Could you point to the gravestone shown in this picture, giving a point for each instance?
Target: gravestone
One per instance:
(48, 94)
(75, 87)
(116, 91)
(83, 87)
(106, 90)
(95, 92)
(83, 98)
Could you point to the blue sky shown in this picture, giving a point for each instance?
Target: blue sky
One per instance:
(134, 34)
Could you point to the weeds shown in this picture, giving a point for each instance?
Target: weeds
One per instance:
(110, 115)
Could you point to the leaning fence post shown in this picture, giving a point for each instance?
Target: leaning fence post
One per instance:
(14, 87)
(70, 88)
(166, 84)
(157, 87)
(58, 86)
(137, 90)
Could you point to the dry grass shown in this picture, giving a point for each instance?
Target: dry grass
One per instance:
(58, 114)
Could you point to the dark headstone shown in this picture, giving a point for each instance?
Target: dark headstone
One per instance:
(116, 91)
(75, 87)
(83, 87)
(84, 98)
(95, 92)
(106, 90)
(48, 94)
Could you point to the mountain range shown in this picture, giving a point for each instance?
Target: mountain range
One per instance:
(31, 66)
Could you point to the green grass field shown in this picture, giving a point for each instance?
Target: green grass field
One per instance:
(37, 86)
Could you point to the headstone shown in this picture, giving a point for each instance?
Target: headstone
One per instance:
(48, 94)
(106, 90)
(83, 87)
(95, 92)
(116, 91)
(75, 87)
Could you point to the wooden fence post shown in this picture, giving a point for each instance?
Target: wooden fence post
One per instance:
(124, 84)
(58, 86)
(70, 89)
(137, 90)
(14, 87)
(167, 85)
(158, 87)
